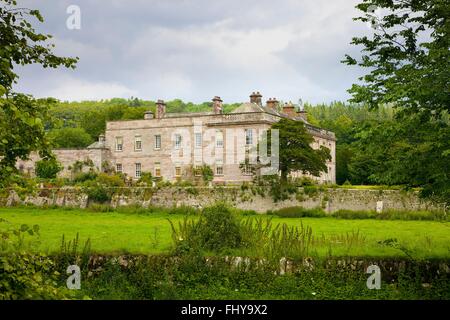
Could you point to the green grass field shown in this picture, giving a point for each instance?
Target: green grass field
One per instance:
(151, 233)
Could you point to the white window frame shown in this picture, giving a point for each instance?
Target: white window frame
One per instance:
(248, 137)
(137, 141)
(157, 167)
(198, 139)
(219, 138)
(119, 165)
(157, 141)
(138, 170)
(119, 146)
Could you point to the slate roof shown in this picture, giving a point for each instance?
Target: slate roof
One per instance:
(97, 145)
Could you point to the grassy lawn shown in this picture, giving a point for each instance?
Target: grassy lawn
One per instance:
(151, 233)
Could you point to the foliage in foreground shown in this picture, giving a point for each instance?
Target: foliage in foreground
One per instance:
(25, 275)
(189, 274)
(191, 277)
(22, 118)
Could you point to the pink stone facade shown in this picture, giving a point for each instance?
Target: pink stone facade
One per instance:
(173, 145)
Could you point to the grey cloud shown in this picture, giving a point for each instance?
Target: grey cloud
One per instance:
(194, 50)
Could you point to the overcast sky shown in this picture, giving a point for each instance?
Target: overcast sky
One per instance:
(196, 49)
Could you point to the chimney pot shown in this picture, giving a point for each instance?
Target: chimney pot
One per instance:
(148, 115)
(289, 110)
(217, 105)
(255, 97)
(272, 103)
(302, 114)
(160, 109)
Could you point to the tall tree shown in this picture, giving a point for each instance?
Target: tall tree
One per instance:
(22, 117)
(408, 58)
(295, 150)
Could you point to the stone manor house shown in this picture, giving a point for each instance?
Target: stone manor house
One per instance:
(174, 146)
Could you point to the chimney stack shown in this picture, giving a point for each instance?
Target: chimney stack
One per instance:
(289, 110)
(272, 103)
(255, 97)
(148, 115)
(302, 114)
(160, 109)
(217, 105)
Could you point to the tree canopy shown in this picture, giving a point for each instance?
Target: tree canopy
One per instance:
(408, 56)
(22, 118)
(408, 62)
(295, 149)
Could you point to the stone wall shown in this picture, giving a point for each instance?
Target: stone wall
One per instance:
(390, 268)
(330, 200)
(66, 157)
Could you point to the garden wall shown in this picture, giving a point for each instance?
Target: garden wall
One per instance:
(389, 268)
(331, 199)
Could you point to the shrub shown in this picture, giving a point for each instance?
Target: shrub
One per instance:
(218, 229)
(192, 190)
(97, 192)
(112, 181)
(391, 215)
(304, 181)
(247, 212)
(207, 173)
(183, 210)
(101, 189)
(146, 178)
(310, 191)
(48, 169)
(350, 214)
(298, 212)
(25, 275)
(84, 176)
